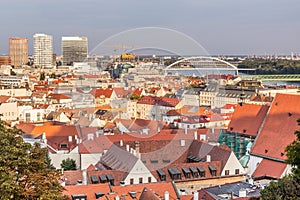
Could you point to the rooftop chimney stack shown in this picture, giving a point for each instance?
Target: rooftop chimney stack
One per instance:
(137, 147)
(166, 195)
(208, 158)
(196, 195)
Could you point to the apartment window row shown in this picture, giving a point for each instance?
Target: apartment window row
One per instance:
(237, 171)
(140, 180)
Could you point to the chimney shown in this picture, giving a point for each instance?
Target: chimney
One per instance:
(137, 147)
(84, 177)
(127, 147)
(196, 195)
(44, 138)
(182, 191)
(122, 183)
(70, 138)
(208, 158)
(195, 135)
(166, 195)
(121, 143)
(242, 193)
(202, 137)
(182, 143)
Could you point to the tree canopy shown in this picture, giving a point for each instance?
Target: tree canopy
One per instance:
(23, 169)
(68, 164)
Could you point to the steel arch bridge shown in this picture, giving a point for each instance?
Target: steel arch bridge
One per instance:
(200, 60)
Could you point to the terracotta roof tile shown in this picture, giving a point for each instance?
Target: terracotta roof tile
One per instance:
(121, 191)
(3, 99)
(58, 96)
(107, 92)
(269, 169)
(247, 119)
(279, 127)
(161, 101)
(71, 177)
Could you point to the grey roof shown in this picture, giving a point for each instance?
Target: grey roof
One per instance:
(118, 159)
(201, 150)
(234, 93)
(234, 188)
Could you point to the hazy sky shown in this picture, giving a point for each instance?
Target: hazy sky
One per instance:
(220, 26)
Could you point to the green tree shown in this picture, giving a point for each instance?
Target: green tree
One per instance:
(68, 164)
(12, 73)
(135, 97)
(42, 76)
(293, 154)
(287, 187)
(53, 75)
(48, 161)
(23, 170)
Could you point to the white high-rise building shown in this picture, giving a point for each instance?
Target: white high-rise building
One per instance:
(43, 50)
(74, 49)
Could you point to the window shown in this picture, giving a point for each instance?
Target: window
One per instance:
(140, 180)
(27, 115)
(202, 174)
(237, 171)
(63, 146)
(131, 181)
(38, 116)
(149, 180)
(226, 172)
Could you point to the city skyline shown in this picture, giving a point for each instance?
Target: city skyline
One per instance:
(230, 27)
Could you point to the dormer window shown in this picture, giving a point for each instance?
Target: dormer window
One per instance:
(79, 197)
(63, 146)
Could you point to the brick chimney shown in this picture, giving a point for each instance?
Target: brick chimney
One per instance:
(137, 147)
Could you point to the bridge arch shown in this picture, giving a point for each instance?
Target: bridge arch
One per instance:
(203, 57)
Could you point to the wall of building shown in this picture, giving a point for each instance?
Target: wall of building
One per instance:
(88, 159)
(192, 186)
(9, 111)
(57, 159)
(232, 165)
(253, 163)
(138, 171)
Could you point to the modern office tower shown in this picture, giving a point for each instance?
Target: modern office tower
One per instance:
(43, 50)
(74, 49)
(18, 51)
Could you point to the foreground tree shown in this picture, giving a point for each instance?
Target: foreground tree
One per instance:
(23, 169)
(287, 187)
(293, 154)
(68, 164)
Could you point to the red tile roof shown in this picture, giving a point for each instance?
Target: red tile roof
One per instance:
(279, 127)
(161, 101)
(71, 177)
(58, 96)
(4, 99)
(138, 91)
(121, 92)
(269, 169)
(107, 92)
(121, 191)
(247, 119)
